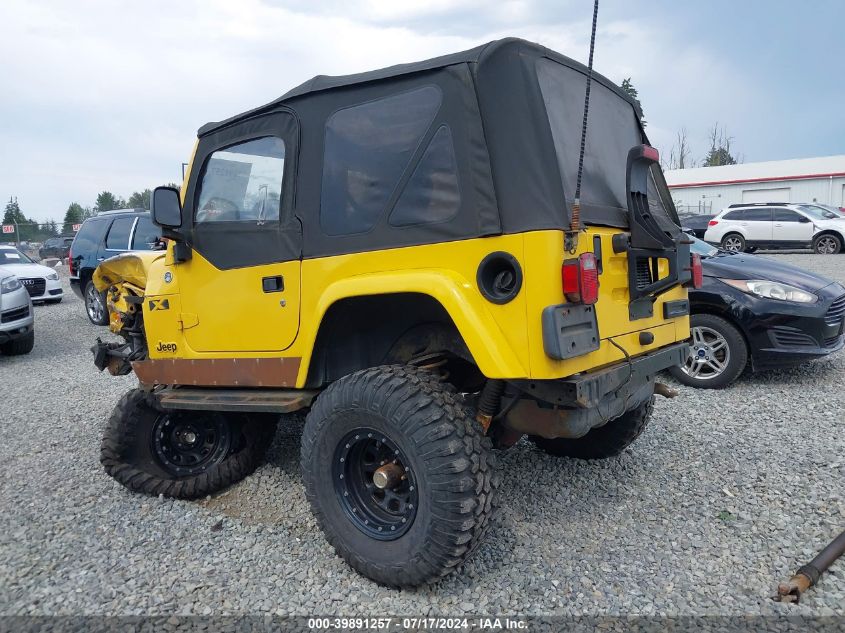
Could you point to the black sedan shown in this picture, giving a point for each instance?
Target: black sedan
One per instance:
(757, 312)
(695, 224)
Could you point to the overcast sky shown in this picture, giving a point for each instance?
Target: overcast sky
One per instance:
(103, 94)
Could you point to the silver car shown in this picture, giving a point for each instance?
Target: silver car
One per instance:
(17, 324)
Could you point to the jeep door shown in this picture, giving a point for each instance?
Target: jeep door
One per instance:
(240, 290)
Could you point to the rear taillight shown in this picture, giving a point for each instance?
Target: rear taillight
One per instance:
(580, 279)
(69, 261)
(697, 271)
(712, 222)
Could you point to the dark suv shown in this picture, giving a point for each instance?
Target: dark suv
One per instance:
(56, 247)
(105, 235)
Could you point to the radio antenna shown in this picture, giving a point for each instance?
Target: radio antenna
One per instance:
(575, 220)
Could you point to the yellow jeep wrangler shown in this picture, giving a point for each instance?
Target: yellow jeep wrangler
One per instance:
(399, 255)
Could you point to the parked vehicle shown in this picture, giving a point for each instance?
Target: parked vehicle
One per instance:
(17, 323)
(398, 276)
(837, 211)
(695, 223)
(41, 282)
(776, 225)
(105, 235)
(56, 247)
(757, 312)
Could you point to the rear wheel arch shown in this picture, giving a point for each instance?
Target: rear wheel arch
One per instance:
(397, 328)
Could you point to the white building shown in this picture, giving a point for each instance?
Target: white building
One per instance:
(711, 189)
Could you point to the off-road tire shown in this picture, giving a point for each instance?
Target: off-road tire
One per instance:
(19, 346)
(733, 236)
(446, 449)
(737, 347)
(602, 442)
(127, 456)
(827, 244)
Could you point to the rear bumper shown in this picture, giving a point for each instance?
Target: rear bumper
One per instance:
(571, 407)
(617, 381)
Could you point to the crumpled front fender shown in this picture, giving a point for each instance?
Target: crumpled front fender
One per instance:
(130, 268)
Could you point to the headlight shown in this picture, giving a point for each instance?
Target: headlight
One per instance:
(53, 276)
(9, 284)
(772, 290)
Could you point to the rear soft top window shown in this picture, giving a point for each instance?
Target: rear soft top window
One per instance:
(612, 131)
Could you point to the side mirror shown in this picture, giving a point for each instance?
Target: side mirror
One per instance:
(804, 220)
(166, 208)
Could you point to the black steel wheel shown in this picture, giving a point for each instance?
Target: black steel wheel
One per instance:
(181, 454)
(187, 444)
(399, 475)
(375, 484)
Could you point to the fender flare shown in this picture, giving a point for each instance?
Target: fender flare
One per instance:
(481, 333)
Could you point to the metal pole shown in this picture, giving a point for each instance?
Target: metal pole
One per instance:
(809, 574)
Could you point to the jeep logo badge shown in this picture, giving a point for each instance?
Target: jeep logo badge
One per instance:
(167, 348)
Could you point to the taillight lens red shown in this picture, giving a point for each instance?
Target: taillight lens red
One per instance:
(70, 261)
(580, 279)
(697, 271)
(712, 223)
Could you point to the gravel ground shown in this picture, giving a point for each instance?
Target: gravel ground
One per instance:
(725, 494)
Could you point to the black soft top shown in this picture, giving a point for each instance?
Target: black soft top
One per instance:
(477, 55)
(496, 143)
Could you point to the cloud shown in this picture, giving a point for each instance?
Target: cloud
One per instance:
(104, 95)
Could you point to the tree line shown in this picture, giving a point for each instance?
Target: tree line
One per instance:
(31, 230)
(680, 154)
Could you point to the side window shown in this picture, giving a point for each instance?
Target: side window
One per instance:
(367, 148)
(785, 215)
(734, 215)
(763, 214)
(432, 193)
(118, 237)
(89, 236)
(146, 234)
(243, 183)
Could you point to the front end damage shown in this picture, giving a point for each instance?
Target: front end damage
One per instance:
(123, 279)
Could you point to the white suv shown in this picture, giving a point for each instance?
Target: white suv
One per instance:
(747, 227)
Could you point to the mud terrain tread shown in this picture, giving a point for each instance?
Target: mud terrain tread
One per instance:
(120, 453)
(449, 442)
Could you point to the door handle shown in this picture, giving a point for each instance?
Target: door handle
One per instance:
(273, 284)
